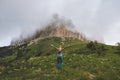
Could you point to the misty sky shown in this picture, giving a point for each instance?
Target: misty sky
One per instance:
(97, 19)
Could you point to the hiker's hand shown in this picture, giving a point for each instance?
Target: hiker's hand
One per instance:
(52, 45)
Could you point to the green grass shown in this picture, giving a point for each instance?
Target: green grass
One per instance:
(75, 67)
(79, 63)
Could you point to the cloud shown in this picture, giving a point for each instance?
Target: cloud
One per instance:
(97, 19)
(21, 17)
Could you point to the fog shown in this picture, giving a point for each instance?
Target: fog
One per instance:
(97, 19)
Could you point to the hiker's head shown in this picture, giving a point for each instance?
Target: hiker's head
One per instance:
(59, 48)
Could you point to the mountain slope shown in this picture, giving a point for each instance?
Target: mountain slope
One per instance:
(38, 62)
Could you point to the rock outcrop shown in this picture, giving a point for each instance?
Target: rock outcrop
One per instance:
(59, 31)
(57, 28)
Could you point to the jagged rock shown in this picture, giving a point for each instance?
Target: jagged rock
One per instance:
(57, 28)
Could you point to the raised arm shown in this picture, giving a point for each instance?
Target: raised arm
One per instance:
(53, 46)
(65, 48)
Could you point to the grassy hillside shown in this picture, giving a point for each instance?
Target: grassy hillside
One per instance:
(80, 62)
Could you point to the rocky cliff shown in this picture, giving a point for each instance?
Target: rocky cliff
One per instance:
(57, 28)
(60, 31)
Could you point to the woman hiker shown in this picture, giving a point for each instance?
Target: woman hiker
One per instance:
(59, 57)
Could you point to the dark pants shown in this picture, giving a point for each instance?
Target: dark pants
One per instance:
(59, 59)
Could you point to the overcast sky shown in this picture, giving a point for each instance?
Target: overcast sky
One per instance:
(97, 19)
